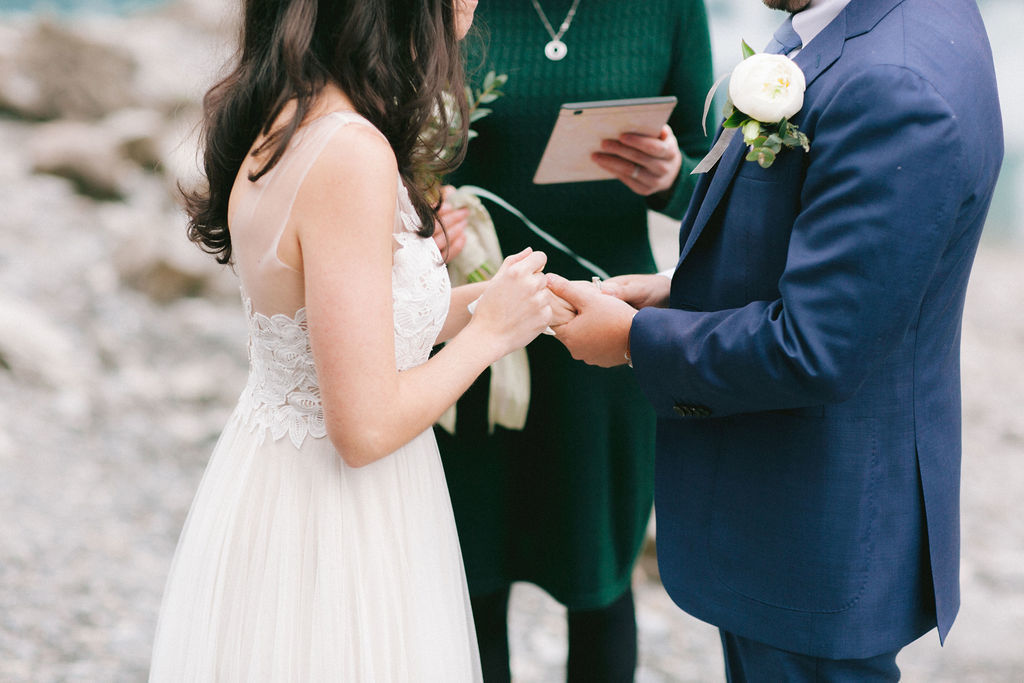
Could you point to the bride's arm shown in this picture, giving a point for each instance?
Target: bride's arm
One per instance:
(344, 216)
(458, 311)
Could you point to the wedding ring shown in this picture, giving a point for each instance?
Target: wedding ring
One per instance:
(636, 172)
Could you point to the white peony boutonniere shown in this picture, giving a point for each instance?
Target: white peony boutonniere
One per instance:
(764, 92)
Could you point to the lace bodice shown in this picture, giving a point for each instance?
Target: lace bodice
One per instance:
(282, 395)
(420, 289)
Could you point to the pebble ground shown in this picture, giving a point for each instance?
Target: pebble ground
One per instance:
(91, 513)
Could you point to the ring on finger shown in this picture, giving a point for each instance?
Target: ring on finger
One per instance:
(636, 172)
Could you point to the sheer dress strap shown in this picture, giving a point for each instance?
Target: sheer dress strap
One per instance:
(260, 219)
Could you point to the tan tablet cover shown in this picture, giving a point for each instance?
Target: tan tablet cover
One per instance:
(581, 126)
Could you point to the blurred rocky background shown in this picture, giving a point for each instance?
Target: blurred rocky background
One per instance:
(122, 350)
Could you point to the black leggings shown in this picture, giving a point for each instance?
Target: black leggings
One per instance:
(602, 642)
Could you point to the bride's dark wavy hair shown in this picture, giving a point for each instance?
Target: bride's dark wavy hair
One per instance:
(395, 59)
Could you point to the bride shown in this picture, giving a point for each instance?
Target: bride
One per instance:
(321, 543)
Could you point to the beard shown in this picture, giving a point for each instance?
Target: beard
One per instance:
(788, 5)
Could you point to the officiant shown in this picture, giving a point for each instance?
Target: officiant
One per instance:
(563, 499)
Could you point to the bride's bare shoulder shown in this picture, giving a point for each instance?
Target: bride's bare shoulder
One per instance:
(354, 180)
(357, 155)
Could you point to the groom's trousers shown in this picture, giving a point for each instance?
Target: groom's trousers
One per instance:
(748, 661)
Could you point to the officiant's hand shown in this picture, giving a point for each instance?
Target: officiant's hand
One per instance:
(599, 333)
(646, 164)
(639, 291)
(454, 221)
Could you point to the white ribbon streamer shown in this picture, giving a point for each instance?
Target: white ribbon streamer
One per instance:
(712, 157)
(550, 239)
(709, 99)
(716, 152)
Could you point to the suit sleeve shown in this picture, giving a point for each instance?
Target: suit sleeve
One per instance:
(878, 209)
(689, 79)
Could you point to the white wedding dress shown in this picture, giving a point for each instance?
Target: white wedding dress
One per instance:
(293, 566)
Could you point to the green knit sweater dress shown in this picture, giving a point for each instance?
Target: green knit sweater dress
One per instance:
(564, 503)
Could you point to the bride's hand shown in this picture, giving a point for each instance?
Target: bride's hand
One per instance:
(561, 310)
(516, 305)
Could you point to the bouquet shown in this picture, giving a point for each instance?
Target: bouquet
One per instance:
(509, 398)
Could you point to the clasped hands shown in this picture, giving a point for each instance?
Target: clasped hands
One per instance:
(593, 319)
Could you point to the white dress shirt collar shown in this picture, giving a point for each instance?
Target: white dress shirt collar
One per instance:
(810, 22)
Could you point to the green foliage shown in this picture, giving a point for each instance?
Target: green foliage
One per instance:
(771, 138)
(490, 92)
(487, 94)
(484, 272)
(734, 118)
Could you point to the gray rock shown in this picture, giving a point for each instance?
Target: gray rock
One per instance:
(57, 73)
(139, 136)
(155, 258)
(87, 154)
(19, 93)
(38, 349)
(99, 157)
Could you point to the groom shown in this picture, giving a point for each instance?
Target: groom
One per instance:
(804, 364)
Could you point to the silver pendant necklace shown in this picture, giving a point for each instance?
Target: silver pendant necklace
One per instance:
(555, 50)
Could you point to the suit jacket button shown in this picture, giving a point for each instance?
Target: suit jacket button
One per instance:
(686, 410)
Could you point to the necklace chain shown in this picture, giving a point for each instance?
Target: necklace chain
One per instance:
(565, 22)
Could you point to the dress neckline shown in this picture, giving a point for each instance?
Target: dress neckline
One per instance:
(340, 113)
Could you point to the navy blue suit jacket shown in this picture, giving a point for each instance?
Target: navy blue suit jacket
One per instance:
(806, 377)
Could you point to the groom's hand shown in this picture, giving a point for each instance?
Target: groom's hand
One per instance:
(561, 310)
(599, 333)
(639, 291)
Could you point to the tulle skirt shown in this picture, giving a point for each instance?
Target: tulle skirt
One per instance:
(293, 566)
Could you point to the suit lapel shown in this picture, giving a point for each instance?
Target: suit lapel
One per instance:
(724, 171)
(825, 49)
